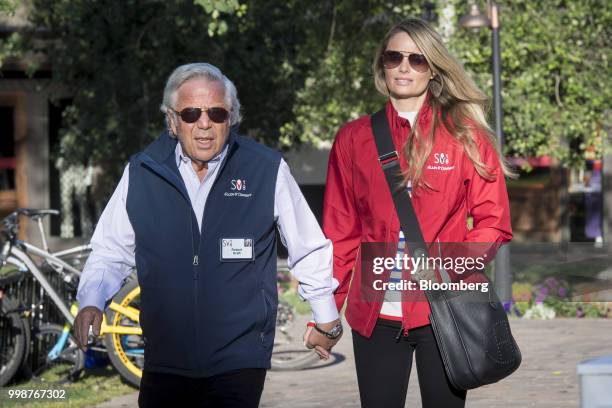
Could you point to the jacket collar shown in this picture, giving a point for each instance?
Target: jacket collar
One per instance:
(162, 147)
(401, 125)
(160, 157)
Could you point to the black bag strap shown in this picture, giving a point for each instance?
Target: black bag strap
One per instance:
(389, 160)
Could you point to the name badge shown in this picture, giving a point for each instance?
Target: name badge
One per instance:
(236, 249)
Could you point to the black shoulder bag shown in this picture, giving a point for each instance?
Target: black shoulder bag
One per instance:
(471, 327)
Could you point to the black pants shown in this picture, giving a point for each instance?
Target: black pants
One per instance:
(234, 389)
(383, 368)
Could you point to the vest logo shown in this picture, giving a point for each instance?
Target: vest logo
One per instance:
(238, 189)
(238, 184)
(441, 162)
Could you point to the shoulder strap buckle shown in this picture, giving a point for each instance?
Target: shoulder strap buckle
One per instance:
(388, 159)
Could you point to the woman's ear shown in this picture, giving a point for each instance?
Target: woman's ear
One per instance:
(436, 84)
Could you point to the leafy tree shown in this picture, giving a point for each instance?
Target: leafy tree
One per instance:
(114, 57)
(555, 72)
(11, 46)
(339, 84)
(304, 68)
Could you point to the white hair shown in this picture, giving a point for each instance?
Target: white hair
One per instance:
(201, 69)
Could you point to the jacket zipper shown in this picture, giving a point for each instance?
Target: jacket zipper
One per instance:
(399, 334)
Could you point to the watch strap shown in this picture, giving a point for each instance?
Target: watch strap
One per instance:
(328, 334)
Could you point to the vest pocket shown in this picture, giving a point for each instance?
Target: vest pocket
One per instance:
(263, 328)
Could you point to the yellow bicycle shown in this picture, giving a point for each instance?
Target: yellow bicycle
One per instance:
(122, 334)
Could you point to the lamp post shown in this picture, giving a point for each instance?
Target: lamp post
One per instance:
(475, 20)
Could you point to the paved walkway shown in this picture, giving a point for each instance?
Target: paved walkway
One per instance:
(547, 378)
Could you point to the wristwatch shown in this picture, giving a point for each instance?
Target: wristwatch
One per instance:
(333, 333)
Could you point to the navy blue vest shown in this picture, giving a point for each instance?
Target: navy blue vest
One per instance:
(201, 315)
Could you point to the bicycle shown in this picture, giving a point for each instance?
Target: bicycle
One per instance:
(14, 334)
(29, 334)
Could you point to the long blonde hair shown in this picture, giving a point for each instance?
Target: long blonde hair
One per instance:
(456, 101)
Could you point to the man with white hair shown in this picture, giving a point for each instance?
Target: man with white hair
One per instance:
(196, 214)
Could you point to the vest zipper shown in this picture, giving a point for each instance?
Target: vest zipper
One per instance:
(196, 302)
(193, 250)
(196, 258)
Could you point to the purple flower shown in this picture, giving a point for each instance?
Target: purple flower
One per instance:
(562, 292)
(551, 281)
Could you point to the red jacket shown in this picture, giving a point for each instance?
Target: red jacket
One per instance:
(358, 207)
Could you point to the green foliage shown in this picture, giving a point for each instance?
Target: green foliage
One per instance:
(11, 47)
(555, 72)
(304, 68)
(299, 306)
(114, 57)
(94, 387)
(214, 8)
(339, 85)
(8, 6)
(557, 295)
(565, 308)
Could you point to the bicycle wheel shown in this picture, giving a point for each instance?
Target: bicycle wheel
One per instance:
(57, 357)
(287, 354)
(292, 357)
(13, 339)
(126, 351)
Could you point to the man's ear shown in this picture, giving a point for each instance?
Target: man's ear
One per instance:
(172, 126)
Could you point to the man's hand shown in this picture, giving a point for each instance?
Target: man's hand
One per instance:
(318, 341)
(88, 316)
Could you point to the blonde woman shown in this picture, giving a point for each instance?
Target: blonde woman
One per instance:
(452, 169)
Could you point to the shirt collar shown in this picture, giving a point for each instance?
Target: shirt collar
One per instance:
(181, 158)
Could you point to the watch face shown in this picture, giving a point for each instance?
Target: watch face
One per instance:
(336, 330)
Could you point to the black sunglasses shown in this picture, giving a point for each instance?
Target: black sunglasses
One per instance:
(192, 114)
(392, 59)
